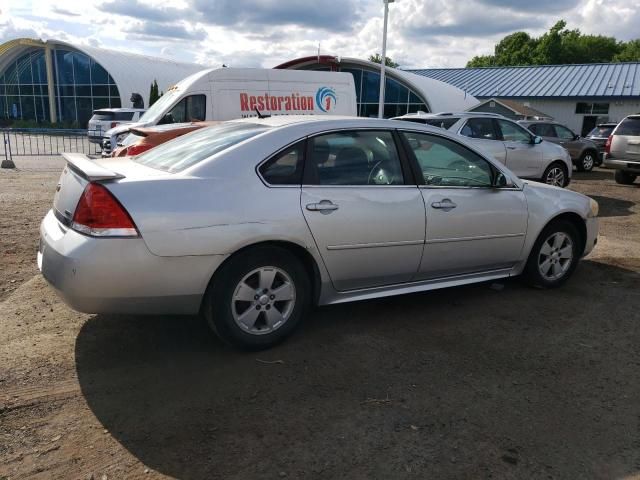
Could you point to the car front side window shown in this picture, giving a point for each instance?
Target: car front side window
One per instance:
(513, 133)
(362, 157)
(564, 133)
(445, 163)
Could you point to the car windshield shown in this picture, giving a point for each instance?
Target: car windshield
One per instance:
(601, 131)
(160, 106)
(185, 151)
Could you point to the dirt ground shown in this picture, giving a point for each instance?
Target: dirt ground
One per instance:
(466, 383)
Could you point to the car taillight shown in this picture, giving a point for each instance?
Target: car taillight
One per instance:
(138, 149)
(99, 214)
(607, 145)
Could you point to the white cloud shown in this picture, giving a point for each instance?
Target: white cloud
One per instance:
(255, 33)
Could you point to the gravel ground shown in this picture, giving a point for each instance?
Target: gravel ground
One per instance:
(484, 381)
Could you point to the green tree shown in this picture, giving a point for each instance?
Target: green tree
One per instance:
(557, 46)
(154, 94)
(630, 52)
(377, 58)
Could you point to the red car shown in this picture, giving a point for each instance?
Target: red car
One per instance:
(145, 138)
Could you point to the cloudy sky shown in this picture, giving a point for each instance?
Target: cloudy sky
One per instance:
(250, 33)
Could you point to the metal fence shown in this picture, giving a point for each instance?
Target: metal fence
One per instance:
(31, 142)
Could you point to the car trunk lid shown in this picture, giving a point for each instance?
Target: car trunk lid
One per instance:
(81, 170)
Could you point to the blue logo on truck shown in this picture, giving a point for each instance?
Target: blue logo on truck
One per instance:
(326, 98)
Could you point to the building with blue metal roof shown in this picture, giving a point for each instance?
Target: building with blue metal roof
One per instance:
(579, 96)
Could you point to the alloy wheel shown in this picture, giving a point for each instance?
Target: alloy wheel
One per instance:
(263, 300)
(588, 161)
(555, 176)
(556, 256)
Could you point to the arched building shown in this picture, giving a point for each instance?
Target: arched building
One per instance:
(55, 81)
(405, 92)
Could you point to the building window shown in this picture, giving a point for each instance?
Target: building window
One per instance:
(592, 108)
(81, 86)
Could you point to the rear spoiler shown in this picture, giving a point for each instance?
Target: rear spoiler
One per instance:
(88, 168)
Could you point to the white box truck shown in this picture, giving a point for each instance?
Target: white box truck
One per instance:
(231, 93)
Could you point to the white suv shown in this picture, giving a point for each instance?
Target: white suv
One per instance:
(524, 153)
(107, 118)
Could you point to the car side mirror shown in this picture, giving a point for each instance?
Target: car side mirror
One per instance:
(501, 181)
(536, 140)
(577, 137)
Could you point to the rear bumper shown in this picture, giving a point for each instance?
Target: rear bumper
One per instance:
(622, 164)
(120, 275)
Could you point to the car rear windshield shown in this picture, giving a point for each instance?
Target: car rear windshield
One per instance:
(629, 126)
(601, 132)
(111, 116)
(435, 122)
(194, 147)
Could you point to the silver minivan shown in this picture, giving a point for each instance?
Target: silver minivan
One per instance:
(523, 152)
(622, 150)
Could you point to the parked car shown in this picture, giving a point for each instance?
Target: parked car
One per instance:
(142, 139)
(622, 150)
(229, 93)
(251, 221)
(525, 154)
(584, 152)
(599, 136)
(107, 118)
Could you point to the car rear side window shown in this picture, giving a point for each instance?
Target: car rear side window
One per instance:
(629, 126)
(192, 148)
(285, 168)
(479, 128)
(361, 157)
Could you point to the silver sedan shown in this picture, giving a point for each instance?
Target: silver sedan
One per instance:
(252, 221)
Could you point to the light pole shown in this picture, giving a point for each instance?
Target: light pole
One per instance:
(383, 63)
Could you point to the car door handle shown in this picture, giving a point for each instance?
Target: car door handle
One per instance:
(511, 147)
(445, 205)
(322, 206)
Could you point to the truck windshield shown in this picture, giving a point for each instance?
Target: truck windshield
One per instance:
(158, 109)
(192, 148)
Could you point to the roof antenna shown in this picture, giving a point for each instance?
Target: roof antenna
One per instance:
(260, 115)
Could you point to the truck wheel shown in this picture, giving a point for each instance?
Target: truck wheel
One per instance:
(586, 162)
(624, 178)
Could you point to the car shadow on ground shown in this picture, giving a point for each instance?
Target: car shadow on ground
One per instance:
(613, 207)
(595, 174)
(491, 379)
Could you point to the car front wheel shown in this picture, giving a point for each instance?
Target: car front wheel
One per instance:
(554, 256)
(257, 298)
(556, 175)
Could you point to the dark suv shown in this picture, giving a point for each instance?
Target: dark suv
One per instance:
(600, 134)
(622, 150)
(584, 152)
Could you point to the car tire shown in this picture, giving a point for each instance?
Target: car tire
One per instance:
(556, 174)
(624, 178)
(587, 162)
(554, 256)
(257, 298)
